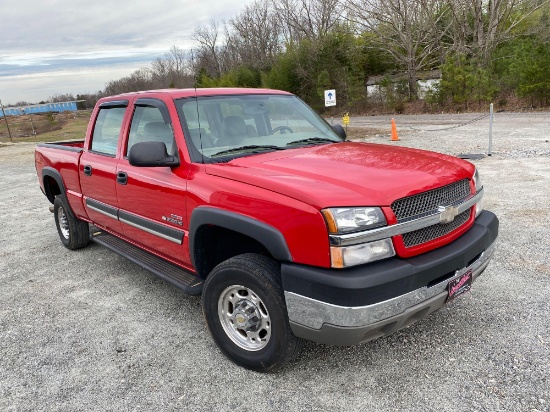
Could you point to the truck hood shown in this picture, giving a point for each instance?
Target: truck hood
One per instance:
(346, 174)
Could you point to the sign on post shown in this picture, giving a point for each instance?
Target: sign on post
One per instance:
(330, 98)
(345, 118)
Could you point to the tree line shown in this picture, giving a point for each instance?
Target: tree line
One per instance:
(481, 50)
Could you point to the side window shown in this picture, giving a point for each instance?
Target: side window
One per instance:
(107, 130)
(148, 126)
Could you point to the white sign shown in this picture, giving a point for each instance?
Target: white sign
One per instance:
(330, 98)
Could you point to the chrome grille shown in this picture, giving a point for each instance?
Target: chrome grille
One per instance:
(433, 232)
(426, 203)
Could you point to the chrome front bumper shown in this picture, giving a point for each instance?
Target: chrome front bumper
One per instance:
(340, 325)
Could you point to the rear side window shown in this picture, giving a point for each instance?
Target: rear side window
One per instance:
(107, 130)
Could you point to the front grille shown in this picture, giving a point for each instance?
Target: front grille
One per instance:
(428, 202)
(433, 232)
(423, 204)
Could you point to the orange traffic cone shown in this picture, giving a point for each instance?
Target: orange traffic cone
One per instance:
(394, 135)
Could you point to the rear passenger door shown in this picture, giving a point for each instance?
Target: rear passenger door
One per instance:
(152, 199)
(98, 166)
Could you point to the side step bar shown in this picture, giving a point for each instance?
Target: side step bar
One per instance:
(177, 276)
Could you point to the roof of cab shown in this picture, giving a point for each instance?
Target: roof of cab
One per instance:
(219, 91)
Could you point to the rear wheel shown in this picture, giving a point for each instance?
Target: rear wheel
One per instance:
(244, 306)
(73, 232)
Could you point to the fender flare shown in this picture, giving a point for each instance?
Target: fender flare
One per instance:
(268, 236)
(55, 175)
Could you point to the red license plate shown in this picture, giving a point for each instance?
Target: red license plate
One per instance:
(459, 286)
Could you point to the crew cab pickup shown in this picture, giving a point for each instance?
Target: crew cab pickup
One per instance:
(288, 231)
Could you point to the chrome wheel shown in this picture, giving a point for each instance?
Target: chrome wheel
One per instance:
(73, 232)
(243, 303)
(244, 318)
(63, 223)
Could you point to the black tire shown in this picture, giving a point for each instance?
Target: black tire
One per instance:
(259, 277)
(74, 233)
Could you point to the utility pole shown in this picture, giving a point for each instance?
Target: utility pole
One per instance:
(490, 150)
(7, 125)
(32, 125)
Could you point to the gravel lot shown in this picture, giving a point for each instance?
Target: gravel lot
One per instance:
(88, 330)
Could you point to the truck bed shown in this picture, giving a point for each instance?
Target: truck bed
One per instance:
(59, 159)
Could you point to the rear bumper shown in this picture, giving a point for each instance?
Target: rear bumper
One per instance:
(413, 289)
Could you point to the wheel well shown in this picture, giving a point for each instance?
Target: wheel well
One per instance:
(215, 244)
(51, 188)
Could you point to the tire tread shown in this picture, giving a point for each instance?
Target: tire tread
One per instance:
(268, 270)
(79, 234)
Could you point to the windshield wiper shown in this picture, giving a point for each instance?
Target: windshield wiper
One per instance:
(250, 148)
(311, 140)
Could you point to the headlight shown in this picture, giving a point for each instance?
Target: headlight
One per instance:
(343, 220)
(478, 185)
(352, 219)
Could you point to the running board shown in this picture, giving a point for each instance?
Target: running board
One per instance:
(190, 283)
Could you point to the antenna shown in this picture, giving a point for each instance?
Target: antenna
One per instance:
(199, 120)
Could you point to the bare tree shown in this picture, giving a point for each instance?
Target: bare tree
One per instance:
(411, 31)
(253, 36)
(178, 59)
(488, 23)
(258, 33)
(138, 80)
(57, 98)
(309, 19)
(208, 52)
(172, 70)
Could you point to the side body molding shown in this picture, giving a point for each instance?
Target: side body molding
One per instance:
(271, 238)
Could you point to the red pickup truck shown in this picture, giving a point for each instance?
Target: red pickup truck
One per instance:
(288, 231)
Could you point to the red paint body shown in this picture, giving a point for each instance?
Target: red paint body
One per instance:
(284, 189)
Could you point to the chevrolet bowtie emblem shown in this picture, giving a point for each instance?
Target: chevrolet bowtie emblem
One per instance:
(447, 214)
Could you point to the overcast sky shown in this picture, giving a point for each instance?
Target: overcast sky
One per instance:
(76, 46)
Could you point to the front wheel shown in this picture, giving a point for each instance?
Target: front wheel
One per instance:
(244, 307)
(73, 232)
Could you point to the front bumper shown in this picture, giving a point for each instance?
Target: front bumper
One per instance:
(347, 307)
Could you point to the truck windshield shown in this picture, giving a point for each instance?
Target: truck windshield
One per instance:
(232, 126)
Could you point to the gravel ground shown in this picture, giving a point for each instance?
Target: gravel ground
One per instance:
(88, 330)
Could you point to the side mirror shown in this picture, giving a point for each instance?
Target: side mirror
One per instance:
(339, 131)
(151, 154)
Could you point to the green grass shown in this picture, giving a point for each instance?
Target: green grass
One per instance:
(74, 129)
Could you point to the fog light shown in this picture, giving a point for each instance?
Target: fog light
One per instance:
(346, 256)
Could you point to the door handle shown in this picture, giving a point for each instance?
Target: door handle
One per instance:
(88, 170)
(122, 178)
